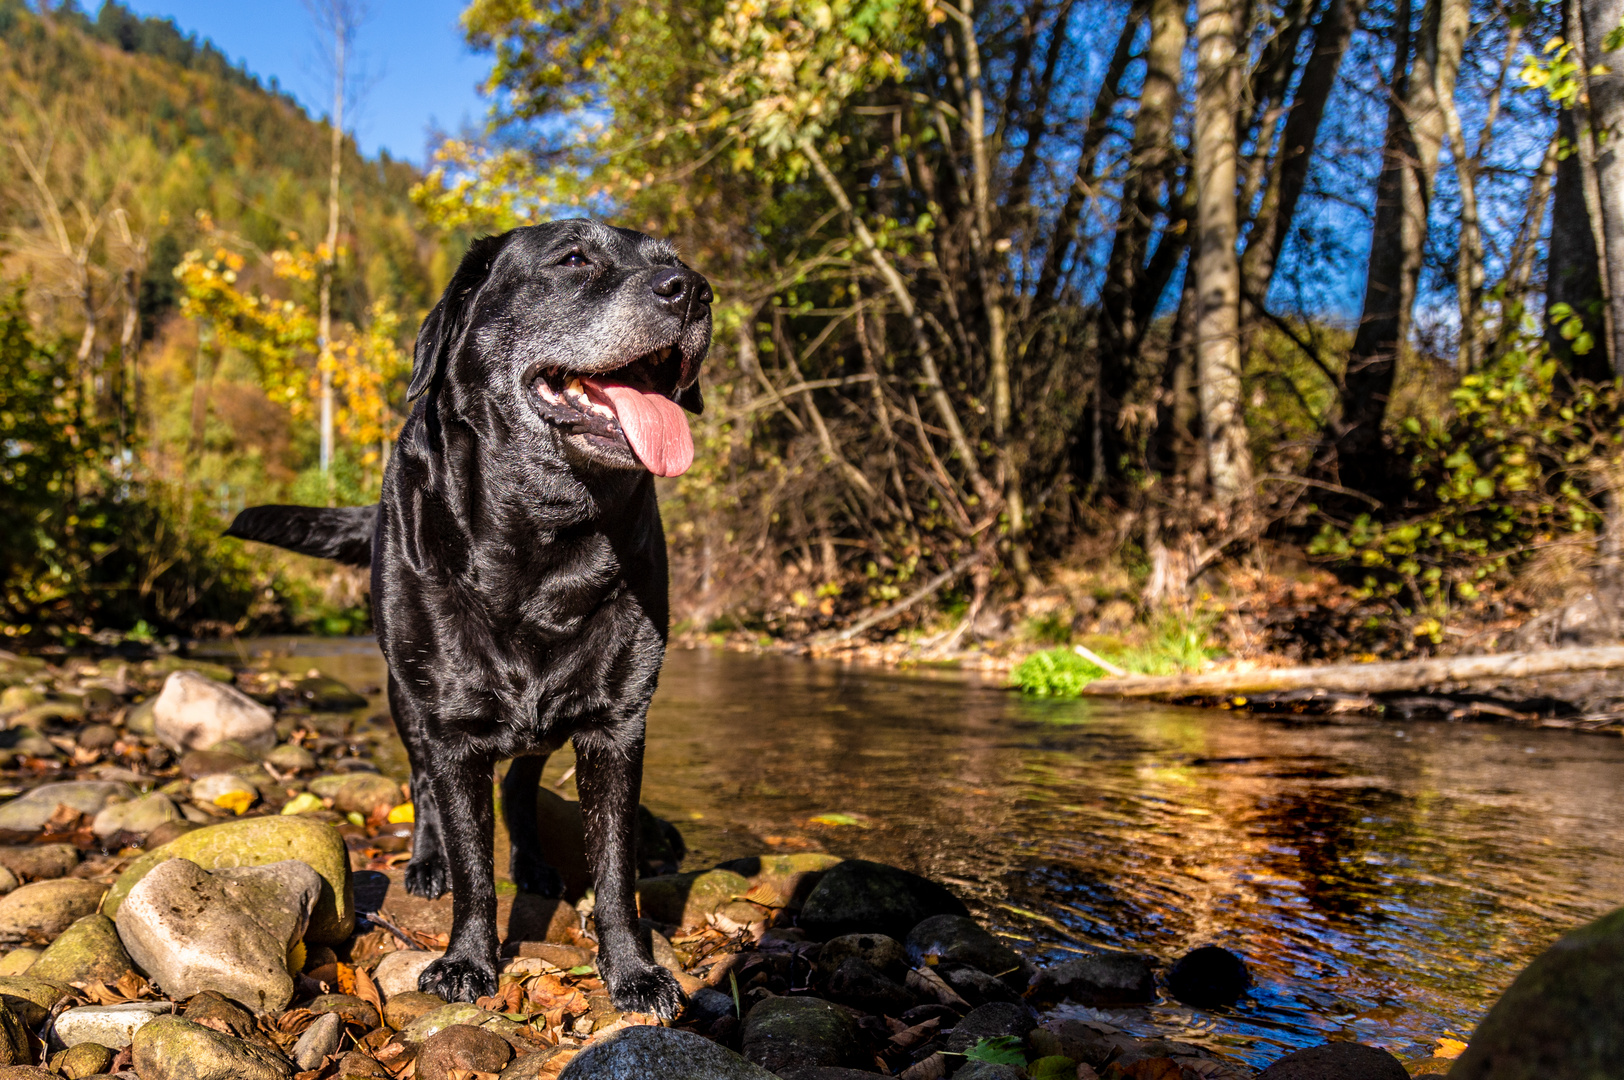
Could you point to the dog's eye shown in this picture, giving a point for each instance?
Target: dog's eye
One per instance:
(574, 258)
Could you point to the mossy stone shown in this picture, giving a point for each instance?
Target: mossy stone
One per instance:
(260, 841)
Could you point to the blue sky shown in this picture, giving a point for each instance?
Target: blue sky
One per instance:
(420, 74)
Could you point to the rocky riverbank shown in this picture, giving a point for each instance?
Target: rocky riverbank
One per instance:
(201, 873)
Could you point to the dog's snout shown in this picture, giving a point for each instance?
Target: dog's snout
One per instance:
(679, 289)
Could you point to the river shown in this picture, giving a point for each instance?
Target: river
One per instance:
(1384, 880)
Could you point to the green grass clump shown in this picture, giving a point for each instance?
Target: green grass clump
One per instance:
(1175, 643)
(1054, 673)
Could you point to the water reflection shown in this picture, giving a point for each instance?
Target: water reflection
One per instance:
(1384, 881)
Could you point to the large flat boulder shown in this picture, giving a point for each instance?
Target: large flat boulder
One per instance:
(229, 931)
(259, 841)
(193, 712)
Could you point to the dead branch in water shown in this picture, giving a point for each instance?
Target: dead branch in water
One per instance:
(1373, 678)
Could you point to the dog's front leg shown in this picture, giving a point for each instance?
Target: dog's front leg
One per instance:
(462, 793)
(609, 776)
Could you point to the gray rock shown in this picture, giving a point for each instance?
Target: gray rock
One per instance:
(859, 896)
(529, 1066)
(207, 789)
(975, 985)
(39, 862)
(1209, 976)
(87, 951)
(990, 1022)
(827, 1072)
(402, 1009)
(30, 811)
(138, 816)
(958, 940)
(861, 985)
(170, 1048)
(8, 881)
(688, 899)
(397, 972)
(885, 953)
(16, 1045)
(291, 758)
(365, 793)
(106, 1025)
(639, 1053)
(1105, 977)
(18, 961)
(431, 1023)
(1562, 1017)
(97, 736)
(84, 1060)
(460, 1047)
(323, 694)
(229, 931)
(1355, 1061)
(46, 908)
(784, 1031)
(706, 1006)
(194, 713)
(32, 999)
(318, 1040)
(260, 841)
(350, 1009)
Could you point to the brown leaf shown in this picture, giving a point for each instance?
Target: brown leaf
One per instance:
(217, 1024)
(908, 1038)
(294, 1021)
(367, 991)
(765, 895)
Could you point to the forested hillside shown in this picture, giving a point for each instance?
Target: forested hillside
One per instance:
(131, 150)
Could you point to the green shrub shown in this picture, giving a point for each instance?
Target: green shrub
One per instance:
(1526, 461)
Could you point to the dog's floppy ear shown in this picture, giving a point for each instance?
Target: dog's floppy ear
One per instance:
(691, 399)
(446, 322)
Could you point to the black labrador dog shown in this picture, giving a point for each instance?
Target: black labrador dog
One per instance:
(519, 585)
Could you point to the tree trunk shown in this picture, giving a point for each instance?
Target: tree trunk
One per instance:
(341, 31)
(1153, 161)
(1572, 268)
(1217, 269)
(1605, 79)
(1290, 172)
(1416, 129)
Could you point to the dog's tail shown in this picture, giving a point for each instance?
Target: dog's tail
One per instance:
(341, 533)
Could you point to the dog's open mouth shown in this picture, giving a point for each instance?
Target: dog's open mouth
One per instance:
(631, 404)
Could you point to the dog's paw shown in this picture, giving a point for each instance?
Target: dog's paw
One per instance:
(456, 979)
(647, 990)
(532, 875)
(427, 878)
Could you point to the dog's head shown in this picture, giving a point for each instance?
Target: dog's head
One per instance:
(595, 333)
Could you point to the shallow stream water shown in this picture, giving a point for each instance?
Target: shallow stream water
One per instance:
(1384, 880)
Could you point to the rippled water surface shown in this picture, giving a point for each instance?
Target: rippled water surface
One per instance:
(1385, 880)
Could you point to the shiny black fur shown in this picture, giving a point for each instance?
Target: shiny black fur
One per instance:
(519, 578)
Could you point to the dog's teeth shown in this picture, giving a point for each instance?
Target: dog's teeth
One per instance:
(603, 410)
(575, 386)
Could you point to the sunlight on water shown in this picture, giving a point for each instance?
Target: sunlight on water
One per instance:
(1384, 880)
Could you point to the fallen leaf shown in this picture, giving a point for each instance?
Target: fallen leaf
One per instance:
(1449, 1048)
(346, 979)
(404, 814)
(367, 990)
(237, 802)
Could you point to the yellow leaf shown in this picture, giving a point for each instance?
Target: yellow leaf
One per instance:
(237, 802)
(296, 957)
(1449, 1048)
(405, 814)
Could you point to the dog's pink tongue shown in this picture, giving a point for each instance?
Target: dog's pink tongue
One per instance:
(654, 426)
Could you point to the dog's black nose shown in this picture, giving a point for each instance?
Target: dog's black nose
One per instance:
(679, 288)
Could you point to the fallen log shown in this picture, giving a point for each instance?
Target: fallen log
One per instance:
(1374, 678)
